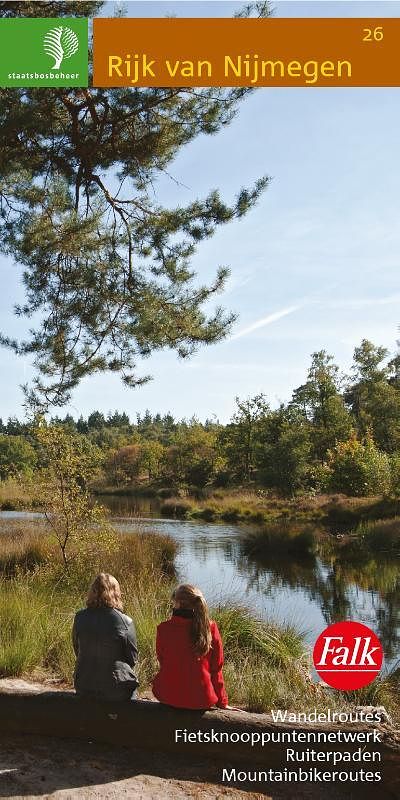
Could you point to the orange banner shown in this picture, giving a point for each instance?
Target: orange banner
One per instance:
(246, 52)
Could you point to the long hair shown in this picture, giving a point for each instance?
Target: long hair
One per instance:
(105, 592)
(191, 598)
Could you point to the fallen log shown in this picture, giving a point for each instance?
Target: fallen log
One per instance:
(249, 739)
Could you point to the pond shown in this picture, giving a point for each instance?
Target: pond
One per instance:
(311, 592)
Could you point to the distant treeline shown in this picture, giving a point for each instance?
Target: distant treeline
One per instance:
(337, 433)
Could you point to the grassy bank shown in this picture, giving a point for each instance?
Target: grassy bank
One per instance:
(337, 511)
(282, 540)
(266, 664)
(253, 505)
(17, 496)
(139, 490)
(307, 540)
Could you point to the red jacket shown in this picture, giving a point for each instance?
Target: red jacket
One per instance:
(186, 680)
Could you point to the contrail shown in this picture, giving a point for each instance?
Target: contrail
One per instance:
(261, 323)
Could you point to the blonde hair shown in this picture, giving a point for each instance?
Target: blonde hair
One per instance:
(191, 598)
(105, 592)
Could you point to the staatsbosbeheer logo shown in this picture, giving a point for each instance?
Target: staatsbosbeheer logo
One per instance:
(41, 51)
(348, 655)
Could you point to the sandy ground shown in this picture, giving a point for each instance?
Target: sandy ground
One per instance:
(40, 767)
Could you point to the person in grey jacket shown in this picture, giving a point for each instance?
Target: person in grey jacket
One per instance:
(104, 642)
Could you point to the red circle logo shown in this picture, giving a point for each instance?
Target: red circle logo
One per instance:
(348, 655)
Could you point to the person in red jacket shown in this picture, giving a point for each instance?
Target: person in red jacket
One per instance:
(190, 654)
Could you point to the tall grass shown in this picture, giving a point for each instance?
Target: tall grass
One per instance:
(15, 496)
(35, 628)
(23, 547)
(38, 601)
(281, 538)
(266, 665)
(382, 536)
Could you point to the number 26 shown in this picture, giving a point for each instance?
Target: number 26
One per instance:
(373, 34)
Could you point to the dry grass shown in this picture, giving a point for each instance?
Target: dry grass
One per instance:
(15, 496)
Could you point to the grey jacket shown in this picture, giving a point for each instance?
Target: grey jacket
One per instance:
(104, 642)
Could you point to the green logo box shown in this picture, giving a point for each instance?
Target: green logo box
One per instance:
(44, 52)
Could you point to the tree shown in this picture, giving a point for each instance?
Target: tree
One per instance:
(284, 456)
(79, 527)
(374, 396)
(48, 8)
(96, 421)
(81, 425)
(151, 455)
(118, 420)
(123, 465)
(320, 401)
(14, 427)
(192, 456)
(241, 437)
(107, 269)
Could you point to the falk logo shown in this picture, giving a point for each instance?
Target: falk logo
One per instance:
(60, 43)
(348, 655)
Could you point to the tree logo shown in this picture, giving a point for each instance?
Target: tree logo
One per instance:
(348, 655)
(60, 43)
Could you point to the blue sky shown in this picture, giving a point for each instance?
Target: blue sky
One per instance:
(314, 265)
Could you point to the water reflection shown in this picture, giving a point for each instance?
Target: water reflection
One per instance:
(131, 505)
(368, 591)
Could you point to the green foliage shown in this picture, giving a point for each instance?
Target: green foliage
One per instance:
(359, 469)
(395, 473)
(284, 459)
(17, 457)
(374, 396)
(266, 665)
(193, 456)
(49, 8)
(37, 609)
(322, 405)
(241, 438)
(326, 439)
(242, 631)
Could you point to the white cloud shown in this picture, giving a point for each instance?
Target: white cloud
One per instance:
(262, 323)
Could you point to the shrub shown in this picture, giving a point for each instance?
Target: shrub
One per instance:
(395, 473)
(231, 514)
(209, 513)
(359, 469)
